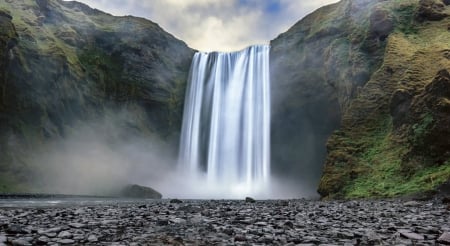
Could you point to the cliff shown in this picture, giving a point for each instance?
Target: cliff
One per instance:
(376, 72)
(63, 63)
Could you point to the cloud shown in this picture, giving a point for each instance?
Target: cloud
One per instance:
(209, 25)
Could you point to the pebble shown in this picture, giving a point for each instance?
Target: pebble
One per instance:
(208, 222)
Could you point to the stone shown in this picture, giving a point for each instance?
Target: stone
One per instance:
(138, 191)
(20, 242)
(3, 239)
(65, 234)
(15, 229)
(42, 240)
(249, 200)
(162, 222)
(411, 235)
(176, 201)
(289, 224)
(66, 241)
(240, 238)
(411, 204)
(77, 225)
(444, 238)
(92, 238)
(345, 235)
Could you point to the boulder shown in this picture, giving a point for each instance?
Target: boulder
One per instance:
(137, 191)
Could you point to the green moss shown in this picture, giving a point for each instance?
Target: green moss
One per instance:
(384, 176)
(420, 129)
(404, 12)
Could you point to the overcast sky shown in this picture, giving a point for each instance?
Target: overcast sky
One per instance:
(219, 25)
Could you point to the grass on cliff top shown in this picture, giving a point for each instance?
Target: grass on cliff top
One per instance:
(384, 177)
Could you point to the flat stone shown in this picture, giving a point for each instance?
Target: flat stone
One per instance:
(444, 238)
(411, 204)
(77, 225)
(411, 235)
(54, 229)
(65, 234)
(3, 239)
(66, 241)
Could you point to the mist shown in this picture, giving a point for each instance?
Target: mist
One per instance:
(99, 157)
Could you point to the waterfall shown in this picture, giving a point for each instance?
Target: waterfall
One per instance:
(226, 123)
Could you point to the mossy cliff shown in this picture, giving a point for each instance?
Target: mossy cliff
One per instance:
(63, 63)
(376, 72)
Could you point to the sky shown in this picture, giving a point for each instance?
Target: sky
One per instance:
(216, 25)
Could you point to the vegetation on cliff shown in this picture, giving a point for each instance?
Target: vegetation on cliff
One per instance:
(394, 135)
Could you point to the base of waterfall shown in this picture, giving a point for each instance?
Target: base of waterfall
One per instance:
(186, 185)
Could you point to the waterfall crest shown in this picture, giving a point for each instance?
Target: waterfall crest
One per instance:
(226, 123)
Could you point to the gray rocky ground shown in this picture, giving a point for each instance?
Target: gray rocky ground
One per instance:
(293, 222)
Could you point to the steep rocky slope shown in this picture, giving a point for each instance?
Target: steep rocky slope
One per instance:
(394, 138)
(378, 72)
(63, 63)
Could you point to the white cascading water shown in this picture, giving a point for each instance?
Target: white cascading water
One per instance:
(225, 135)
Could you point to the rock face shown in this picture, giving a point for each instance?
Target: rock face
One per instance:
(394, 135)
(63, 63)
(318, 67)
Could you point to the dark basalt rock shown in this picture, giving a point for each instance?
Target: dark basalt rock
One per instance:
(137, 191)
(250, 200)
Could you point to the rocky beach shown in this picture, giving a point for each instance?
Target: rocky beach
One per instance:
(228, 222)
